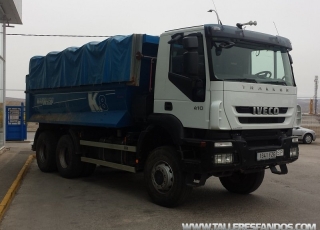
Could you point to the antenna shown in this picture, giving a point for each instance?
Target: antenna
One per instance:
(276, 28)
(216, 11)
(214, 6)
(219, 21)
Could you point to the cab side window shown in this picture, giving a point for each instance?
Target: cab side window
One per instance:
(192, 85)
(176, 59)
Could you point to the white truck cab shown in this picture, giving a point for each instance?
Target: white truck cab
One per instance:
(243, 79)
(227, 96)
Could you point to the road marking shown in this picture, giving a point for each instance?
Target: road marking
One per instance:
(14, 187)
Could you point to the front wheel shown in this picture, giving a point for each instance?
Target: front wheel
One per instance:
(242, 183)
(164, 178)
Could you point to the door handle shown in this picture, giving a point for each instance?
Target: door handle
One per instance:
(168, 106)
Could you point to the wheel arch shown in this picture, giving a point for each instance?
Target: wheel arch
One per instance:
(58, 131)
(171, 124)
(306, 134)
(163, 130)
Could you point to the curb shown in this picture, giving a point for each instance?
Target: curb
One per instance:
(14, 187)
(25, 141)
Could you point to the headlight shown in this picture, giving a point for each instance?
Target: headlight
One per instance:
(295, 140)
(294, 152)
(223, 158)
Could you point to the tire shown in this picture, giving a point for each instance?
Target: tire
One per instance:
(307, 139)
(88, 169)
(68, 163)
(164, 178)
(242, 183)
(45, 152)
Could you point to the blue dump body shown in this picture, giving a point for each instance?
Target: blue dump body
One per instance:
(93, 85)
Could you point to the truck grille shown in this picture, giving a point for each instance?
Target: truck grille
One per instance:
(256, 138)
(248, 109)
(259, 120)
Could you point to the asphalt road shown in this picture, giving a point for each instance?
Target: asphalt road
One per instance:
(118, 200)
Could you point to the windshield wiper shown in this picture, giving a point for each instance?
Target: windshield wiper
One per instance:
(241, 80)
(223, 44)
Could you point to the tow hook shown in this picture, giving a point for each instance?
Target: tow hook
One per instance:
(283, 168)
(193, 182)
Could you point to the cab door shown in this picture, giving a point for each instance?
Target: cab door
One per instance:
(182, 83)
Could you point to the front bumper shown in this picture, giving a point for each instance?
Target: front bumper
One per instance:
(244, 156)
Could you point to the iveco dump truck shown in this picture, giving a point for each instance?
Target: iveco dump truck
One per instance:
(196, 102)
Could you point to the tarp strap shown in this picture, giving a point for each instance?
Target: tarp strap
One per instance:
(137, 40)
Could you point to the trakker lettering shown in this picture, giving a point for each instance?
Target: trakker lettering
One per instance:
(265, 110)
(267, 89)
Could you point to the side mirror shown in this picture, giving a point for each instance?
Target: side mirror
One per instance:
(290, 59)
(190, 43)
(191, 56)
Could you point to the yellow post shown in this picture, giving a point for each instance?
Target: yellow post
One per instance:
(311, 106)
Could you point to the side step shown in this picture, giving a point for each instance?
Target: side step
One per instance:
(109, 164)
(127, 148)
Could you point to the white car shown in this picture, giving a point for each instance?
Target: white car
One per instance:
(304, 135)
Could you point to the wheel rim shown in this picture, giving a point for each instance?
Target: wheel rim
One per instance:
(42, 153)
(162, 177)
(308, 139)
(63, 158)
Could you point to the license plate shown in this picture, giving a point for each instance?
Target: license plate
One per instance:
(268, 155)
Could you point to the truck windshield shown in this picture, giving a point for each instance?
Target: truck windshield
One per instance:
(254, 63)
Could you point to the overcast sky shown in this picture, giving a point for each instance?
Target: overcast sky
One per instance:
(295, 19)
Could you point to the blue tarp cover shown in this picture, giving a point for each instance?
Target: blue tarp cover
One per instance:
(94, 63)
(93, 85)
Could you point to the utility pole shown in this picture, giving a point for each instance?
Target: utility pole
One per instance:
(315, 94)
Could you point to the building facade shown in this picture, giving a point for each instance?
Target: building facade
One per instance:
(10, 13)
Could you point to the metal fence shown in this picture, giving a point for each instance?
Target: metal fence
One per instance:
(311, 122)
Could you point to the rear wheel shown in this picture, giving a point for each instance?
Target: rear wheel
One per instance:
(242, 183)
(164, 178)
(68, 163)
(307, 139)
(45, 152)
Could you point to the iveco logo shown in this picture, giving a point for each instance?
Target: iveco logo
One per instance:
(265, 110)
